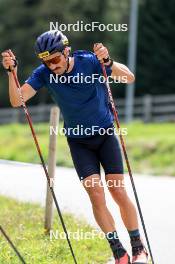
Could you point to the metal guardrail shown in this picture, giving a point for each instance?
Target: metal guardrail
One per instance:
(147, 108)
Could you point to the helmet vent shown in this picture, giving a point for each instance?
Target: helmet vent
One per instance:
(45, 47)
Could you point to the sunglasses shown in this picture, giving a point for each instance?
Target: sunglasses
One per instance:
(54, 60)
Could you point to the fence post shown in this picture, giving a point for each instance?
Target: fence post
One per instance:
(54, 121)
(15, 116)
(147, 108)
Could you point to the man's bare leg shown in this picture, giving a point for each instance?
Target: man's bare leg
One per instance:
(95, 190)
(116, 186)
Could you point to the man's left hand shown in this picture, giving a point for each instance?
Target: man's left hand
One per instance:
(101, 51)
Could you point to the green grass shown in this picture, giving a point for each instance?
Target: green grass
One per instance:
(17, 144)
(151, 147)
(23, 222)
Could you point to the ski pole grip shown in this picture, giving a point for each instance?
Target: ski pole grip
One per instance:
(11, 68)
(105, 60)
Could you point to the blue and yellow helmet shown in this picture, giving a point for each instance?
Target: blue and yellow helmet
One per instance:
(50, 42)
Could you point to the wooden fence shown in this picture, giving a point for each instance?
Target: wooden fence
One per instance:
(147, 108)
(150, 108)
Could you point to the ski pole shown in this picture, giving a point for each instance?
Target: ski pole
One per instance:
(126, 159)
(12, 245)
(42, 162)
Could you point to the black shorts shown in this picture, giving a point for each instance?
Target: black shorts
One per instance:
(88, 153)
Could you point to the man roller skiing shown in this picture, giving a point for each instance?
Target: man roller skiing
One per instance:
(85, 103)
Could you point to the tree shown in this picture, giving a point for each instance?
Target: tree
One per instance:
(156, 42)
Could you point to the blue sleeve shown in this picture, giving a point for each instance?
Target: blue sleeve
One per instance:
(35, 79)
(98, 68)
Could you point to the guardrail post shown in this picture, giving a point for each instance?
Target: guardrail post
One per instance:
(147, 108)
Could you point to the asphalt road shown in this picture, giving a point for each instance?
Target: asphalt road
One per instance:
(26, 182)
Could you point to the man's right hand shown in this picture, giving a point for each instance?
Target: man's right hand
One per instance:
(8, 59)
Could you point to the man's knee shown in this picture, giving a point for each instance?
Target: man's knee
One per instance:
(119, 194)
(95, 190)
(116, 186)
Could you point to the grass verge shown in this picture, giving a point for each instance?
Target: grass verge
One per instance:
(23, 222)
(150, 147)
